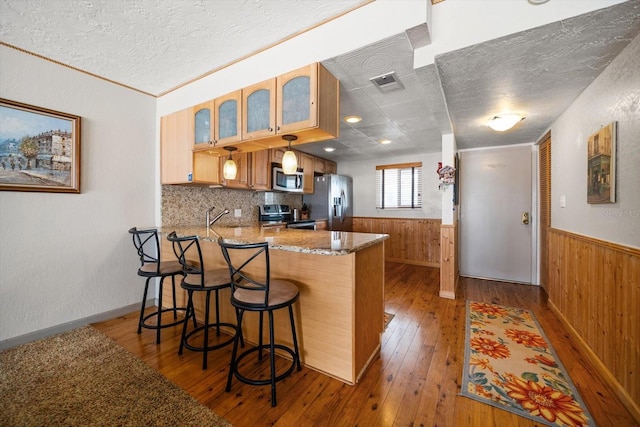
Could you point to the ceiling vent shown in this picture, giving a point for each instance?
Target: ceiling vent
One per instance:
(387, 82)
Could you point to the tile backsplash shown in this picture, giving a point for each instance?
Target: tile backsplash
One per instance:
(187, 205)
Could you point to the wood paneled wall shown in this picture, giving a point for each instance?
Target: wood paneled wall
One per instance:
(594, 287)
(411, 241)
(449, 270)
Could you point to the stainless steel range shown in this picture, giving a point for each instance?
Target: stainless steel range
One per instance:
(281, 216)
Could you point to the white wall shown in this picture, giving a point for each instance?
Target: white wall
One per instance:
(65, 257)
(363, 173)
(613, 96)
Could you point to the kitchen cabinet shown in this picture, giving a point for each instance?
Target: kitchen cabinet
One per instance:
(276, 155)
(330, 167)
(228, 118)
(217, 122)
(297, 99)
(307, 163)
(303, 102)
(202, 130)
(178, 163)
(260, 178)
(259, 110)
(318, 165)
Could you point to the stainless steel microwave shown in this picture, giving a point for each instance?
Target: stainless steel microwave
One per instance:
(283, 182)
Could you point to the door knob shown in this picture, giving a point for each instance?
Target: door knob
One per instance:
(525, 218)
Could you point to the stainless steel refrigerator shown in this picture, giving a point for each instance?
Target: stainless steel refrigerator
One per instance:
(332, 200)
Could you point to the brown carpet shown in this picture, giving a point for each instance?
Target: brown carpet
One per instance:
(83, 378)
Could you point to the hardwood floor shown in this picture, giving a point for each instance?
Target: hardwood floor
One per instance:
(415, 381)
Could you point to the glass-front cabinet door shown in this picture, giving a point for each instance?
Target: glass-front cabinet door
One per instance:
(297, 99)
(259, 109)
(202, 115)
(228, 116)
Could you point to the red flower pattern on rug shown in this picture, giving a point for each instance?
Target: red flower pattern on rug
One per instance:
(510, 364)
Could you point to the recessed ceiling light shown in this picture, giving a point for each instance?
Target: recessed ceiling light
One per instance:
(352, 119)
(385, 141)
(329, 149)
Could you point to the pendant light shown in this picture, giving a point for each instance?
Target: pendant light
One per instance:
(229, 170)
(289, 160)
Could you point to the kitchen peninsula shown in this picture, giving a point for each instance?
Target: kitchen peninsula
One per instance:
(340, 275)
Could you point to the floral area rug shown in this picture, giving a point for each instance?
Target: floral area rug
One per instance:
(510, 364)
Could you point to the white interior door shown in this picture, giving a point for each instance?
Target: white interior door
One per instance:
(495, 191)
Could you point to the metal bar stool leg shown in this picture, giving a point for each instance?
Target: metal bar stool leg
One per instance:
(173, 288)
(206, 330)
(234, 352)
(144, 302)
(272, 358)
(295, 337)
(190, 312)
(159, 321)
(260, 338)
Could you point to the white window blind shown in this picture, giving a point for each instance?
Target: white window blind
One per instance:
(399, 186)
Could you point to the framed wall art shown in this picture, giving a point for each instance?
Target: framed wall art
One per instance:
(601, 165)
(39, 149)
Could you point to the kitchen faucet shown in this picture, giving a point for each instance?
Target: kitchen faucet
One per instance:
(210, 222)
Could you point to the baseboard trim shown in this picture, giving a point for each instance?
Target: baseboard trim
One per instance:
(64, 327)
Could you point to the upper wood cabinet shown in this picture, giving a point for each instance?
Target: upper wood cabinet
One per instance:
(304, 102)
(202, 125)
(330, 167)
(260, 178)
(217, 122)
(307, 163)
(297, 99)
(178, 163)
(259, 110)
(228, 118)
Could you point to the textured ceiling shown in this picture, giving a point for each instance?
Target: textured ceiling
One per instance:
(537, 72)
(149, 45)
(156, 45)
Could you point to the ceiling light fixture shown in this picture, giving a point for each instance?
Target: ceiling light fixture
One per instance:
(385, 141)
(289, 160)
(230, 169)
(352, 119)
(504, 122)
(537, 2)
(329, 149)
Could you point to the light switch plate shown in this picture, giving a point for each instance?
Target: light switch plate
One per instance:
(563, 201)
(237, 213)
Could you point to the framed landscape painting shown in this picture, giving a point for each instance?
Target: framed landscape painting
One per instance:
(601, 166)
(39, 149)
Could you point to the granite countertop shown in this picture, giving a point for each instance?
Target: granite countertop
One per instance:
(319, 242)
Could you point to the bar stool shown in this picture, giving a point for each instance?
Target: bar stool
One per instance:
(255, 291)
(147, 245)
(199, 279)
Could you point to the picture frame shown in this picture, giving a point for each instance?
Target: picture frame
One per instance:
(39, 149)
(601, 165)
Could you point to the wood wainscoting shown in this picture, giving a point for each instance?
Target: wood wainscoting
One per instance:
(594, 288)
(411, 241)
(449, 271)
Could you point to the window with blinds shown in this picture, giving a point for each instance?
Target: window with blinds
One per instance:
(399, 186)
